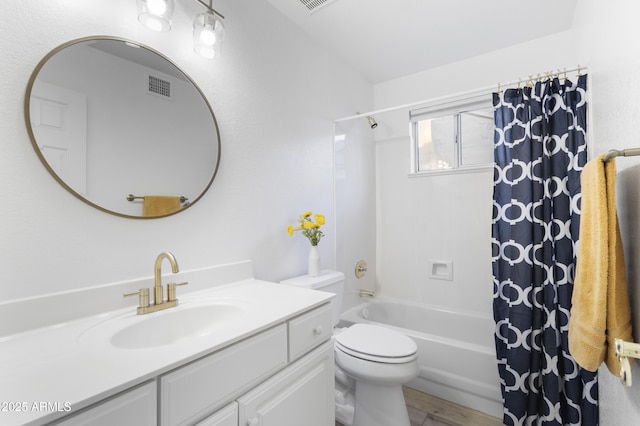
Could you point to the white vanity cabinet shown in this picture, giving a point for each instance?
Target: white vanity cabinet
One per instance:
(133, 407)
(301, 393)
(235, 349)
(279, 376)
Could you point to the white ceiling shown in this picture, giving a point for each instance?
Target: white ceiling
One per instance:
(386, 39)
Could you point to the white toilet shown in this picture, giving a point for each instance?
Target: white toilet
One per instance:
(372, 363)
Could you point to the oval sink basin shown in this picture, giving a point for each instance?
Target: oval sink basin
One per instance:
(166, 327)
(169, 326)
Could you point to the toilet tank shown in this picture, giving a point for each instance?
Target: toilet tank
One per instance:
(329, 281)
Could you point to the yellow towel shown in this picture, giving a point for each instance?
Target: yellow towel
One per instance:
(159, 205)
(600, 303)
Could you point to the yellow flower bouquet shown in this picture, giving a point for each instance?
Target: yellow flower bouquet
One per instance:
(309, 227)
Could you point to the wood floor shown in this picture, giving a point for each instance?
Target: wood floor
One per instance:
(427, 410)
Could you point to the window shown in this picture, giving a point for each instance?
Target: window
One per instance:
(457, 135)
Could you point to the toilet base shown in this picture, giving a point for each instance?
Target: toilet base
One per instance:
(379, 405)
(345, 401)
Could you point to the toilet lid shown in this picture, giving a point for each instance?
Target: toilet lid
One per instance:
(376, 343)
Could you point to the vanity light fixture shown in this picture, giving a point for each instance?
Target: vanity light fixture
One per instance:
(208, 29)
(208, 32)
(156, 14)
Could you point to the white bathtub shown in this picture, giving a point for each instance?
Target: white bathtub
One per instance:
(456, 352)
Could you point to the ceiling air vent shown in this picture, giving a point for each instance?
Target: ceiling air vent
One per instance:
(159, 87)
(313, 5)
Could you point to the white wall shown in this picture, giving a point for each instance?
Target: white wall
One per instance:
(275, 96)
(607, 35)
(480, 71)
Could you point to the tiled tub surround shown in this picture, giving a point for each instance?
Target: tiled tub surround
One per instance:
(72, 365)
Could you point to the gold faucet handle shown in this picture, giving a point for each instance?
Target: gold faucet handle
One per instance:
(171, 290)
(143, 300)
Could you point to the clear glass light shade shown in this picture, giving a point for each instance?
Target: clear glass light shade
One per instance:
(156, 14)
(208, 32)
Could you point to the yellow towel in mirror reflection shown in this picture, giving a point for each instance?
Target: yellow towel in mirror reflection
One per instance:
(159, 205)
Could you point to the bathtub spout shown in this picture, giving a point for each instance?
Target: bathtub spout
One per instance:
(366, 293)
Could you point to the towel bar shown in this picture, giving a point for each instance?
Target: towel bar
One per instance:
(624, 351)
(132, 197)
(621, 153)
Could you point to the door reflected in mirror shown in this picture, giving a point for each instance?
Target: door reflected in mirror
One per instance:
(122, 128)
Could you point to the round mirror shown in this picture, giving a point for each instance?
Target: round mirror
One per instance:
(122, 128)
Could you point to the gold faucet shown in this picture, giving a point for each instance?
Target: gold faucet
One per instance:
(144, 307)
(158, 297)
(366, 293)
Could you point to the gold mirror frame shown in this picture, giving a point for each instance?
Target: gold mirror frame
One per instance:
(34, 142)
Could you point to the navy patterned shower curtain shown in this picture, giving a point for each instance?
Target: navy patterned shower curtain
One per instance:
(540, 150)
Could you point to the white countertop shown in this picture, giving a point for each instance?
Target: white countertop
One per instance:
(72, 365)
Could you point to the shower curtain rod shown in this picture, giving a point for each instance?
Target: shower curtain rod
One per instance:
(548, 74)
(465, 95)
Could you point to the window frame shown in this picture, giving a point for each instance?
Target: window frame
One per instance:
(446, 109)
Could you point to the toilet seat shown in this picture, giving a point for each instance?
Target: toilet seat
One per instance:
(377, 344)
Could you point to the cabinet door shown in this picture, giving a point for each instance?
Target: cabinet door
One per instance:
(134, 407)
(301, 394)
(228, 416)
